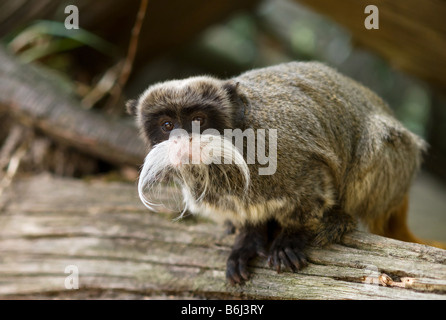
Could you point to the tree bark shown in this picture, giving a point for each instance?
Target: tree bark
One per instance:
(121, 250)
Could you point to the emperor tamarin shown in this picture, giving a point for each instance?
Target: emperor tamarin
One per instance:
(341, 157)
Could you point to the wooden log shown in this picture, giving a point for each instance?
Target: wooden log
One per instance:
(38, 99)
(121, 250)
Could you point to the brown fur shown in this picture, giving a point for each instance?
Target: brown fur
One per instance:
(342, 157)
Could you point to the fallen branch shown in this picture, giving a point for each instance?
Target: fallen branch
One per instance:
(36, 99)
(15, 158)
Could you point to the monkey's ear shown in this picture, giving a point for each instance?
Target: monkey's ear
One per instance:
(131, 106)
(230, 87)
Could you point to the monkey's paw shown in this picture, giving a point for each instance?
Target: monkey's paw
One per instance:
(287, 249)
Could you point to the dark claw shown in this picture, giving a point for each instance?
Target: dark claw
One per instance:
(286, 250)
(298, 259)
(243, 269)
(232, 272)
(237, 267)
(273, 261)
(285, 260)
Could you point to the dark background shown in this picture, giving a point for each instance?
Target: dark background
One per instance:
(403, 61)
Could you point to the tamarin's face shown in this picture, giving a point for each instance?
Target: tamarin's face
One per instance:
(178, 104)
(168, 115)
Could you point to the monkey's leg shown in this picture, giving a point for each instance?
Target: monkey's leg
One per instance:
(332, 227)
(249, 243)
(394, 225)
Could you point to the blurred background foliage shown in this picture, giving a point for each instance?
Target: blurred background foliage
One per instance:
(274, 31)
(86, 63)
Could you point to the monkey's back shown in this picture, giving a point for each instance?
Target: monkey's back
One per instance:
(326, 119)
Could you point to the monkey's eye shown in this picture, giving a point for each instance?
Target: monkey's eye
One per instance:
(167, 126)
(200, 119)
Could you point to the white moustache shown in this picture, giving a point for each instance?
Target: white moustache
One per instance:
(178, 153)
